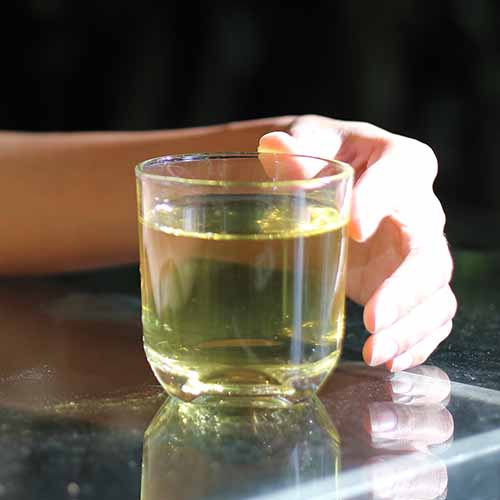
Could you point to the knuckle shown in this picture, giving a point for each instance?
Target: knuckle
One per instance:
(440, 263)
(401, 341)
(377, 134)
(312, 116)
(447, 266)
(424, 156)
(447, 304)
(438, 213)
(452, 303)
(311, 119)
(312, 124)
(429, 159)
(300, 122)
(420, 356)
(444, 331)
(368, 127)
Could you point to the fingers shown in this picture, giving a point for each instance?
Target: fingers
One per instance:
(419, 353)
(410, 340)
(410, 313)
(422, 272)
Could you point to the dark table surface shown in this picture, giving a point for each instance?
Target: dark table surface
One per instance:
(81, 416)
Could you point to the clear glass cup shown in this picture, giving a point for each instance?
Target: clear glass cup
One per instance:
(243, 259)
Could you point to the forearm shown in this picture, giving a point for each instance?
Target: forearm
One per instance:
(68, 199)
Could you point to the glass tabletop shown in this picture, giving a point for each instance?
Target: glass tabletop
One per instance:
(82, 417)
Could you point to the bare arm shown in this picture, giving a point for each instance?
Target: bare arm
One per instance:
(68, 199)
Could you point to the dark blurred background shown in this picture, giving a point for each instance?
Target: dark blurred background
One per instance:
(429, 70)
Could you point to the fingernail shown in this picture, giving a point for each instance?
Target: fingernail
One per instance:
(385, 315)
(402, 362)
(355, 230)
(382, 417)
(383, 350)
(401, 383)
(402, 399)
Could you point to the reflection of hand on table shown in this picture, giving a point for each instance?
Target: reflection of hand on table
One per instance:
(389, 425)
(412, 425)
(422, 385)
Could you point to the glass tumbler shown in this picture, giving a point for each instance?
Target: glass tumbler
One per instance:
(243, 262)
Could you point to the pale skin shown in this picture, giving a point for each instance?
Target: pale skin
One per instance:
(69, 203)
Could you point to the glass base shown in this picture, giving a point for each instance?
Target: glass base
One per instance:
(245, 386)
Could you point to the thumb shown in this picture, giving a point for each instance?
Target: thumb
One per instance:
(301, 167)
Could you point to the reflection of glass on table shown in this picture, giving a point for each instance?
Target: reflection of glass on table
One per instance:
(204, 451)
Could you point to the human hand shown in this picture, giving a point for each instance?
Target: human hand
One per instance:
(399, 264)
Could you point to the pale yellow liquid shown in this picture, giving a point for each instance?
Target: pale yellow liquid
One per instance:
(243, 295)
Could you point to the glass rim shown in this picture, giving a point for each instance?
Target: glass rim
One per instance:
(346, 170)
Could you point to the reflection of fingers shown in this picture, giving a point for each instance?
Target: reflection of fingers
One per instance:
(425, 323)
(406, 427)
(421, 273)
(420, 385)
(419, 475)
(419, 353)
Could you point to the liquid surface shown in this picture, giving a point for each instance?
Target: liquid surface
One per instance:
(242, 291)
